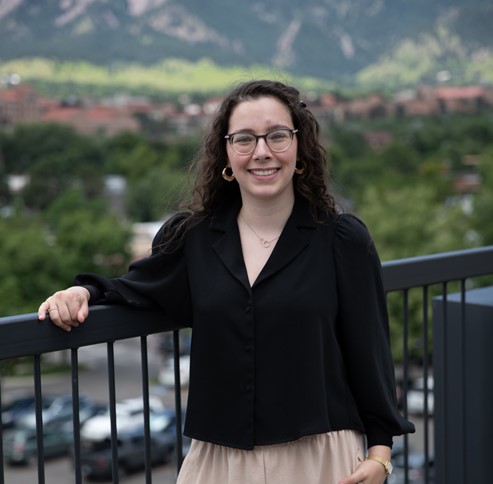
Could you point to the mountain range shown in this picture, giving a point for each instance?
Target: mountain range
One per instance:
(336, 40)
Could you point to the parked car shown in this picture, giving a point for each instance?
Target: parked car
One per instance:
(416, 469)
(164, 424)
(96, 455)
(129, 416)
(167, 374)
(59, 410)
(416, 396)
(163, 342)
(14, 411)
(20, 444)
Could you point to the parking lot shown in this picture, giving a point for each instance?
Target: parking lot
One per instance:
(94, 383)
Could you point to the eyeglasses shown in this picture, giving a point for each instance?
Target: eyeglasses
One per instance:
(278, 140)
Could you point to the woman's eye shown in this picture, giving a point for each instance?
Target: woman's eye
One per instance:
(278, 136)
(243, 139)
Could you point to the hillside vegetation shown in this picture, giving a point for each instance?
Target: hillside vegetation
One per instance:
(168, 78)
(349, 42)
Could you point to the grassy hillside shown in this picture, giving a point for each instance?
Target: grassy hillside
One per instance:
(425, 60)
(167, 79)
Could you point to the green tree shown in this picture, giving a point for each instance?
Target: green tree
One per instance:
(39, 255)
(101, 245)
(32, 266)
(117, 147)
(29, 143)
(86, 231)
(410, 221)
(155, 194)
(483, 201)
(54, 158)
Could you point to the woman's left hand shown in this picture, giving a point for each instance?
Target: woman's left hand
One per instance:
(368, 472)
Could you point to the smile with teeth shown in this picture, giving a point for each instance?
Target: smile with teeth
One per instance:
(264, 172)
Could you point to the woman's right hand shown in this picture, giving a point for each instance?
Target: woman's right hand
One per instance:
(66, 309)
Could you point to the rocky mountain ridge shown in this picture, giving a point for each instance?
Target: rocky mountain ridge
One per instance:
(330, 39)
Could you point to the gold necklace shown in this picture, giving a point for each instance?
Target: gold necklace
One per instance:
(263, 242)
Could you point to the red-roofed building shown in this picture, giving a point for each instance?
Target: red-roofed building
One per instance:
(18, 104)
(96, 120)
(461, 99)
(371, 107)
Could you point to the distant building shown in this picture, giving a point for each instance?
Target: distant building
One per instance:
(143, 235)
(123, 113)
(18, 104)
(96, 120)
(464, 99)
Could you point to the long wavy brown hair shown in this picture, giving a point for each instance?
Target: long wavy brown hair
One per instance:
(210, 189)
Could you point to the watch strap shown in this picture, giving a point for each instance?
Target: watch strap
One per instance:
(384, 462)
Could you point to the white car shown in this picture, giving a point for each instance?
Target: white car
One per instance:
(167, 375)
(416, 396)
(129, 416)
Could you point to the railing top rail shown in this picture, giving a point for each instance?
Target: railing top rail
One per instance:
(433, 269)
(25, 335)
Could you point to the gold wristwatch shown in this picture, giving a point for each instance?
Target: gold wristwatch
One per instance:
(386, 463)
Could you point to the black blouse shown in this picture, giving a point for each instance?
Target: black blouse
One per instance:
(305, 350)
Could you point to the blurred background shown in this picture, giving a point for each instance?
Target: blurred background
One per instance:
(103, 105)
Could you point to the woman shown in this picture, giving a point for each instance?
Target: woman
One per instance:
(291, 370)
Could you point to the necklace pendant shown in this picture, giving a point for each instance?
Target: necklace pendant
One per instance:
(265, 243)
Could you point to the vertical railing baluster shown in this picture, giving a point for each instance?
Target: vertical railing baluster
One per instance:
(426, 414)
(112, 407)
(39, 418)
(145, 396)
(444, 437)
(2, 469)
(405, 375)
(463, 370)
(76, 415)
(179, 440)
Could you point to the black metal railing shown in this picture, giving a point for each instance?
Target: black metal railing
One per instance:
(432, 276)
(427, 279)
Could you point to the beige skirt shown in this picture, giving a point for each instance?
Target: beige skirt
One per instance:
(318, 459)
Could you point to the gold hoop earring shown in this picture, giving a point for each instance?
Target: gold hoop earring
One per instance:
(300, 167)
(226, 176)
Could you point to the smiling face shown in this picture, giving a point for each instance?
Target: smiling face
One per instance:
(263, 174)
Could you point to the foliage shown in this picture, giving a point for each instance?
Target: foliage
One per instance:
(31, 266)
(54, 158)
(133, 155)
(86, 228)
(326, 39)
(155, 194)
(171, 77)
(483, 201)
(404, 193)
(39, 256)
(423, 59)
(402, 190)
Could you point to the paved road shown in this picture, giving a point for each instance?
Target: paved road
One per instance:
(59, 471)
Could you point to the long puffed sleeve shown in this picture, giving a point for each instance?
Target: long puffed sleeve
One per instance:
(160, 279)
(364, 332)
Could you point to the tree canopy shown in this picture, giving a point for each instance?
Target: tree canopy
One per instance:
(67, 219)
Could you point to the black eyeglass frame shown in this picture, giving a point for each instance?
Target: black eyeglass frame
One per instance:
(292, 132)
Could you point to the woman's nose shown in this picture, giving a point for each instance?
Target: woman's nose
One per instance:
(262, 149)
